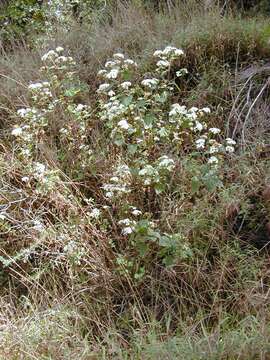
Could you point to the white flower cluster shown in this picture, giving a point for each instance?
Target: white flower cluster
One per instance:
(53, 60)
(157, 173)
(128, 226)
(190, 120)
(47, 179)
(119, 183)
(54, 97)
(114, 69)
(213, 148)
(166, 57)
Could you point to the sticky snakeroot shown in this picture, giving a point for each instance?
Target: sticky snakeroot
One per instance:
(150, 82)
(110, 64)
(103, 87)
(136, 212)
(118, 56)
(23, 112)
(123, 124)
(25, 178)
(230, 141)
(49, 55)
(95, 213)
(17, 131)
(127, 230)
(112, 74)
(215, 130)
(130, 62)
(213, 160)
(40, 168)
(163, 63)
(229, 149)
(200, 143)
(126, 84)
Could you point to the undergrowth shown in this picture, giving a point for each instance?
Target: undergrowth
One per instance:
(135, 186)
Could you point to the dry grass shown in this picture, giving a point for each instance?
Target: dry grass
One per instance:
(213, 306)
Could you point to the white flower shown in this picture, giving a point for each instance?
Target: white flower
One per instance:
(125, 222)
(49, 55)
(158, 53)
(151, 83)
(213, 160)
(114, 179)
(95, 213)
(181, 72)
(123, 124)
(118, 56)
(166, 162)
(25, 178)
(178, 52)
(130, 62)
(63, 59)
(111, 93)
(23, 112)
(103, 87)
(168, 50)
(102, 72)
(59, 49)
(40, 168)
(214, 130)
(177, 110)
(26, 152)
(35, 86)
(214, 148)
(163, 63)
(206, 110)
(17, 131)
(3, 216)
(230, 141)
(136, 212)
(198, 126)
(110, 64)
(127, 230)
(112, 74)
(229, 149)
(200, 143)
(38, 226)
(126, 84)
(80, 107)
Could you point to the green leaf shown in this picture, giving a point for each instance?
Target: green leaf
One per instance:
(72, 91)
(212, 182)
(127, 100)
(142, 248)
(149, 120)
(162, 98)
(159, 188)
(168, 260)
(119, 141)
(127, 75)
(132, 148)
(195, 185)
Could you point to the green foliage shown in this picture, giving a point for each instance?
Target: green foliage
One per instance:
(21, 18)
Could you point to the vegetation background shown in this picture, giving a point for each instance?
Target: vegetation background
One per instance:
(73, 284)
